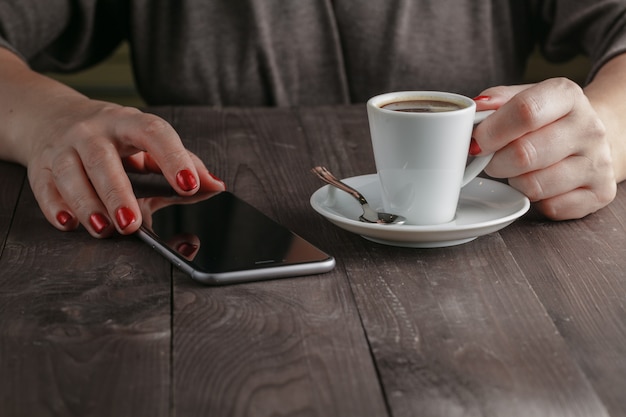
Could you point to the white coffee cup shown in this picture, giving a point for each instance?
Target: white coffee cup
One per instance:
(421, 156)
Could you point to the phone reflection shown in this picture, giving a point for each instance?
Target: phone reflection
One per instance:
(218, 232)
(185, 243)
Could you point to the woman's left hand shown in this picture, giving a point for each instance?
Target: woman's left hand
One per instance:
(551, 145)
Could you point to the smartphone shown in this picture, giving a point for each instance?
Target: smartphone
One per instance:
(218, 238)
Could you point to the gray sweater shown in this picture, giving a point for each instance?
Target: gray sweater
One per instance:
(305, 52)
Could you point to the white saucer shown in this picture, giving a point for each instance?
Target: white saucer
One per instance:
(485, 206)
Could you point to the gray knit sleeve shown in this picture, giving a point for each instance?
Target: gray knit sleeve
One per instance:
(61, 35)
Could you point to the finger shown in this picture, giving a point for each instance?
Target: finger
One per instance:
(535, 150)
(548, 188)
(158, 138)
(50, 201)
(572, 205)
(529, 110)
(105, 171)
(208, 181)
(142, 163)
(77, 192)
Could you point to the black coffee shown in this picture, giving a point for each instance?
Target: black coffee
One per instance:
(423, 106)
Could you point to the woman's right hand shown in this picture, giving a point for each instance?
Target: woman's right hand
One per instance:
(77, 170)
(77, 151)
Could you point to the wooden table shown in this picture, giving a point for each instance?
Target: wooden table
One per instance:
(528, 321)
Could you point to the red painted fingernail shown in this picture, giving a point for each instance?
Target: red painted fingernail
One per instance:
(474, 148)
(98, 222)
(124, 217)
(187, 249)
(482, 98)
(63, 217)
(186, 180)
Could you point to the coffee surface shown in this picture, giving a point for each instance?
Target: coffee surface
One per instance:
(423, 106)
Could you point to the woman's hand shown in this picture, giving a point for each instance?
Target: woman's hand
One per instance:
(77, 151)
(76, 167)
(551, 145)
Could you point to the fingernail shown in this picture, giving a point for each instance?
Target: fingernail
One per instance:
(186, 180)
(98, 222)
(187, 249)
(474, 148)
(124, 217)
(482, 98)
(63, 217)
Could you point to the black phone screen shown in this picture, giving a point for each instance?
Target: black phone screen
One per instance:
(219, 233)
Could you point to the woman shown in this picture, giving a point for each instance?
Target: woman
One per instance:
(559, 144)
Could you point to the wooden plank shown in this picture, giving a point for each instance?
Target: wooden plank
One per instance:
(285, 347)
(11, 181)
(527, 321)
(288, 347)
(85, 326)
(447, 340)
(580, 278)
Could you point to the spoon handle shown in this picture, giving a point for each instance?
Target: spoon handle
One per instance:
(326, 176)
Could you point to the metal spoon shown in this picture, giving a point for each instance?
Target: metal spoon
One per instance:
(369, 215)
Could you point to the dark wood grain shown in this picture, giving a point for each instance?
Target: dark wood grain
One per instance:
(287, 347)
(472, 336)
(528, 321)
(85, 328)
(578, 271)
(452, 329)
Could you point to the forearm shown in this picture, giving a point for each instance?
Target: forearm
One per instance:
(27, 102)
(607, 94)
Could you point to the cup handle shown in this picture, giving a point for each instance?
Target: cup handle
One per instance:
(480, 162)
